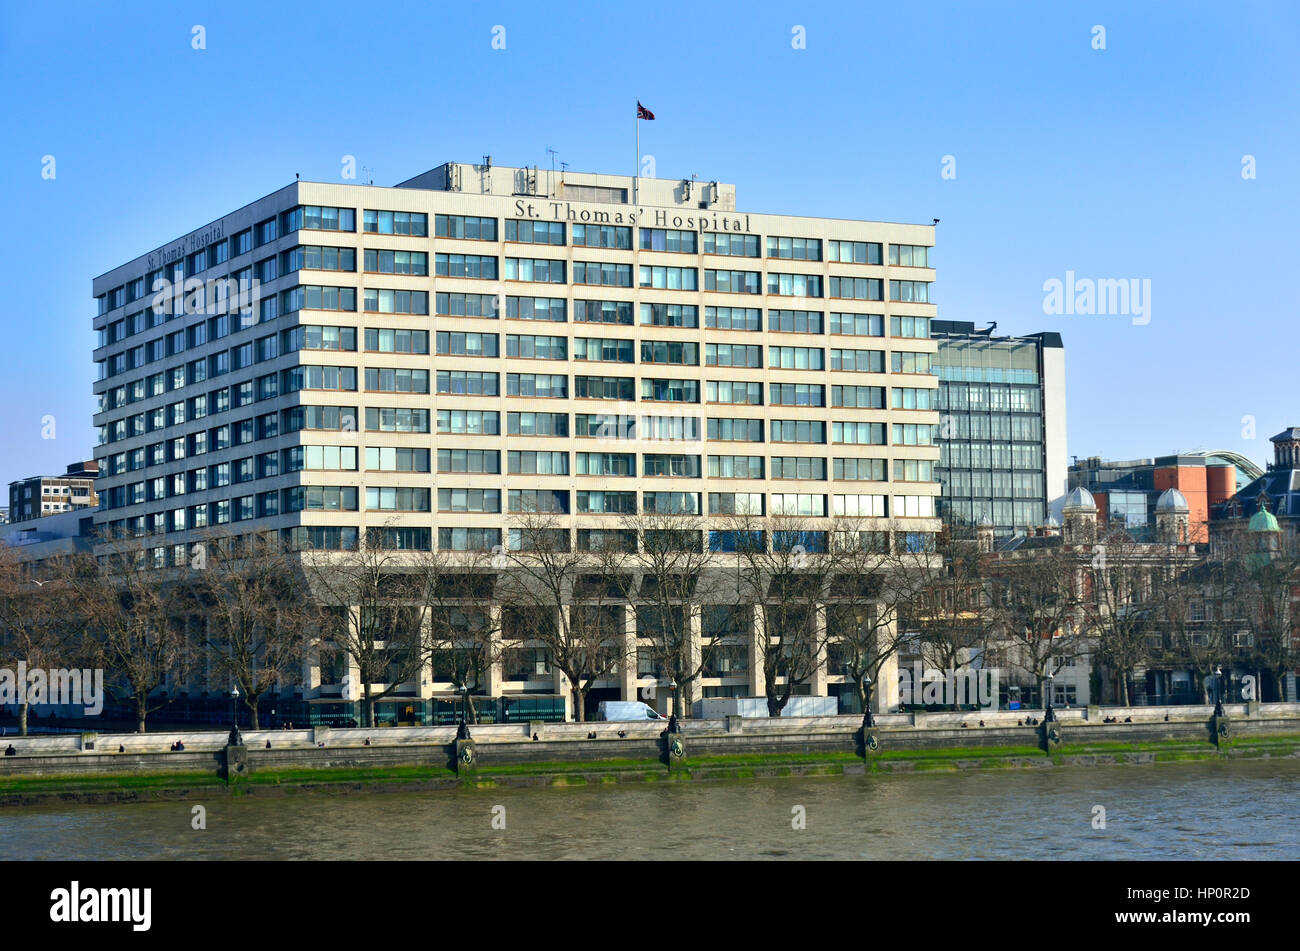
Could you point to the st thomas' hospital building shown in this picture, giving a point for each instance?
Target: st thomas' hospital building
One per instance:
(379, 384)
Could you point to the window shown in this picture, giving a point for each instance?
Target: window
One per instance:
(606, 464)
(316, 337)
(536, 308)
(732, 355)
(469, 539)
(342, 458)
(465, 226)
(606, 503)
(396, 262)
(794, 321)
(396, 380)
(735, 467)
(397, 499)
(604, 388)
(732, 282)
(535, 232)
(913, 470)
(911, 291)
(793, 503)
(910, 398)
(468, 383)
(528, 347)
(906, 362)
(672, 391)
(319, 378)
(857, 288)
(862, 434)
(661, 239)
(734, 391)
(733, 318)
(477, 266)
(310, 297)
(466, 305)
(602, 272)
(909, 255)
(860, 397)
(670, 315)
(604, 349)
(469, 460)
(541, 270)
(853, 252)
(913, 506)
(910, 327)
(733, 245)
(728, 541)
(539, 500)
(914, 434)
(317, 218)
(671, 503)
(798, 249)
(794, 285)
(603, 236)
(735, 503)
(858, 325)
(858, 361)
(539, 385)
(537, 424)
(679, 353)
(389, 340)
(528, 462)
(396, 302)
(860, 506)
(798, 430)
(859, 470)
(798, 467)
(796, 358)
(393, 419)
(796, 394)
(469, 500)
(670, 464)
(411, 223)
(735, 430)
(455, 343)
(602, 312)
(672, 278)
(469, 422)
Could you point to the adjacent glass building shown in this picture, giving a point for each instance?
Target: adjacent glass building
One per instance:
(1001, 403)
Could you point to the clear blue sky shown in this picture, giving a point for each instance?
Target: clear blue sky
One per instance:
(1117, 163)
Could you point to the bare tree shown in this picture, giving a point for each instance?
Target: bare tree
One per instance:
(1116, 604)
(370, 599)
(678, 575)
(783, 564)
(1266, 599)
(575, 599)
(456, 591)
(133, 609)
(36, 625)
(251, 592)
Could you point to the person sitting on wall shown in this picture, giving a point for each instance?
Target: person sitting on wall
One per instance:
(180, 746)
(10, 751)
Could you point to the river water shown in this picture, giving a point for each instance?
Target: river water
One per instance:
(1232, 810)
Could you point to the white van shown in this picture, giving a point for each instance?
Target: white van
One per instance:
(621, 710)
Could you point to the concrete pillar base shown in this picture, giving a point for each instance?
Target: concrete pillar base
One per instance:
(466, 757)
(1219, 733)
(1049, 736)
(870, 737)
(675, 751)
(235, 763)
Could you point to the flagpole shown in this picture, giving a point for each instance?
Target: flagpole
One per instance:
(636, 169)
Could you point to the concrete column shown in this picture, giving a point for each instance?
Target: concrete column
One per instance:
(311, 673)
(626, 672)
(817, 682)
(560, 681)
(884, 693)
(757, 627)
(694, 656)
(493, 678)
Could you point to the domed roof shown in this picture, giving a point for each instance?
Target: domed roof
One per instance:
(1052, 522)
(1171, 500)
(985, 521)
(1263, 521)
(1079, 500)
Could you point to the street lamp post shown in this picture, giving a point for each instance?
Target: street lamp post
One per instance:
(236, 739)
(867, 719)
(1218, 694)
(1048, 715)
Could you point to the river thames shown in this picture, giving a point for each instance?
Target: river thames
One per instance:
(1215, 810)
